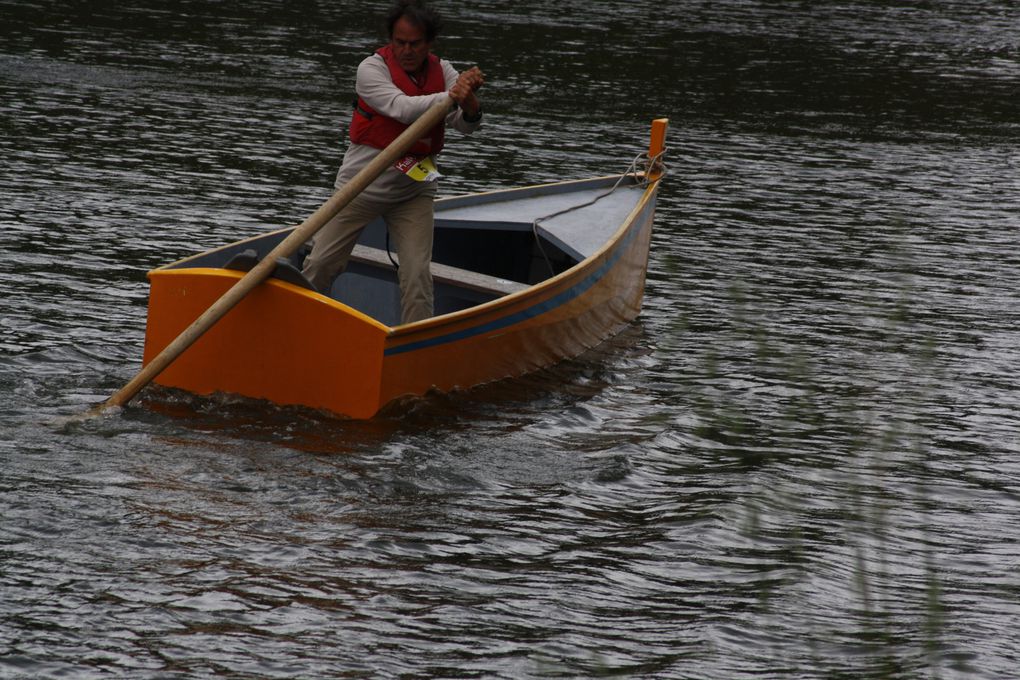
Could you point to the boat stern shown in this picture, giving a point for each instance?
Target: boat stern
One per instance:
(282, 343)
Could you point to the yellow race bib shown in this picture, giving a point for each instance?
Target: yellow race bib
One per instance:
(419, 169)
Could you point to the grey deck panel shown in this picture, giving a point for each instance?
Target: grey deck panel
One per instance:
(446, 273)
(579, 232)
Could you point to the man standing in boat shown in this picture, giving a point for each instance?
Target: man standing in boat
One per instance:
(396, 85)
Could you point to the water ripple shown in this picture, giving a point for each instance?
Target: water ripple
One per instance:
(800, 461)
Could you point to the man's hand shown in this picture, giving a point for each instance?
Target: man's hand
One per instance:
(463, 91)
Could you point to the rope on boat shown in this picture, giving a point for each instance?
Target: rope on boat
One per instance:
(655, 163)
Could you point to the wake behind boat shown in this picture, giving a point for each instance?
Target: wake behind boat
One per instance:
(523, 278)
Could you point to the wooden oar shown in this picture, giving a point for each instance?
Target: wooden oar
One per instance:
(264, 268)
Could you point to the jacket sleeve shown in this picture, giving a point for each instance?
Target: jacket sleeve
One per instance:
(375, 86)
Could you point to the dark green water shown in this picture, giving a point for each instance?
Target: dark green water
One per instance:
(802, 461)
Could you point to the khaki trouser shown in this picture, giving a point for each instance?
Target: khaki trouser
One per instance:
(410, 224)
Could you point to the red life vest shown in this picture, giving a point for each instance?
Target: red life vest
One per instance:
(374, 129)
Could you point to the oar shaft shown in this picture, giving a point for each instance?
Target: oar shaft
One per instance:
(265, 266)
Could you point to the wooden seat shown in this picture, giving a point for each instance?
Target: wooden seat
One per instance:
(444, 273)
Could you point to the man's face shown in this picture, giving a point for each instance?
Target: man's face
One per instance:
(409, 46)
